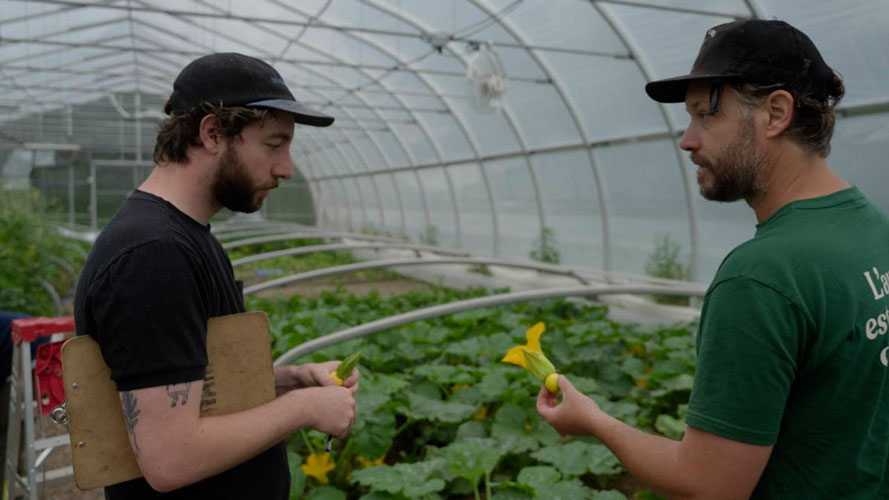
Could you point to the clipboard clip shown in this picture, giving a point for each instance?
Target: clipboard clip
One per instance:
(59, 414)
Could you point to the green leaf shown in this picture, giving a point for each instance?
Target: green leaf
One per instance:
(576, 458)
(469, 430)
(472, 459)
(571, 459)
(648, 495)
(494, 347)
(609, 495)
(470, 317)
(466, 348)
(513, 491)
(379, 495)
(539, 476)
(585, 385)
(493, 384)
(602, 461)
(324, 324)
(326, 493)
(421, 407)
(297, 476)
(526, 430)
(381, 383)
(412, 480)
(669, 426)
(446, 374)
(681, 382)
(373, 434)
(567, 490)
(621, 410)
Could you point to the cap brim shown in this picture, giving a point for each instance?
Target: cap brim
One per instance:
(302, 114)
(674, 89)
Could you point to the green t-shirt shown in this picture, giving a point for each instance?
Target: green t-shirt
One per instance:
(792, 349)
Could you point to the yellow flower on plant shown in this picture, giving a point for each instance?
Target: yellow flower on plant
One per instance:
(482, 413)
(642, 383)
(318, 465)
(370, 463)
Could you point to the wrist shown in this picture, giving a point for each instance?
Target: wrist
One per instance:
(601, 424)
(298, 404)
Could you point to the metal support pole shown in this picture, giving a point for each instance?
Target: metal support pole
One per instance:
(94, 205)
(71, 191)
(469, 304)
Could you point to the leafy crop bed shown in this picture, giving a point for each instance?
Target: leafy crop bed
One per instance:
(441, 417)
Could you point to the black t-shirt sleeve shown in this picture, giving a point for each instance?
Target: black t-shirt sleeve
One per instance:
(151, 317)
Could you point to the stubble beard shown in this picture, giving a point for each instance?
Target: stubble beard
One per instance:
(232, 186)
(736, 173)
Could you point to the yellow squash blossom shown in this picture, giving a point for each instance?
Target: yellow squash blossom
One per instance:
(370, 463)
(482, 413)
(531, 357)
(318, 465)
(516, 356)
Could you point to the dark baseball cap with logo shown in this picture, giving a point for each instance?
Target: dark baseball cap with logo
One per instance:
(753, 51)
(236, 80)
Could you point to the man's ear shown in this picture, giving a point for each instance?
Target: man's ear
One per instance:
(210, 135)
(780, 107)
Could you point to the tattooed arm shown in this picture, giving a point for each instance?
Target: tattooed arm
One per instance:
(174, 447)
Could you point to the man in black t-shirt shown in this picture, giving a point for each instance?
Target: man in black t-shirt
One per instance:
(156, 275)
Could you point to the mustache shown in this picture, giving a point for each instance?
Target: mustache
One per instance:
(697, 160)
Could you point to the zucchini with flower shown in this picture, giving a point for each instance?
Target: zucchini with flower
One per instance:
(530, 357)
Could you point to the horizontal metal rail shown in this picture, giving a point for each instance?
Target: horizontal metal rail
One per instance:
(255, 232)
(305, 235)
(374, 264)
(240, 227)
(465, 305)
(335, 247)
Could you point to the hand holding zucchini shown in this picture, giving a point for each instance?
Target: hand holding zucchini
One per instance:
(343, 371)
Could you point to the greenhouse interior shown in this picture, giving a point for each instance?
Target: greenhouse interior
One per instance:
(493, 164)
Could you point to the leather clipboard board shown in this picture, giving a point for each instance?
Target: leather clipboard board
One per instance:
(239, 376)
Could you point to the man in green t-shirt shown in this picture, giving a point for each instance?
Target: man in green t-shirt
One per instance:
(791, 394)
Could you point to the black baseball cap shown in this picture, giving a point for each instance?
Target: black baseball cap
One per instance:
(235, 80)
(752, 51)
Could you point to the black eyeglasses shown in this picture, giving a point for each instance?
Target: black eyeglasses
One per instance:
(715, 96)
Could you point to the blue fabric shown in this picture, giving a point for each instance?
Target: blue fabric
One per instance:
(6, 318)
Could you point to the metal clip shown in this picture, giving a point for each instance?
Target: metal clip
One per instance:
(59, 414)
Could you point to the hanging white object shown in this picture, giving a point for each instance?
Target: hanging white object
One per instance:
(486, 75)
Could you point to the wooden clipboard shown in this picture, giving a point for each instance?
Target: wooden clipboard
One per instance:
(239, 376)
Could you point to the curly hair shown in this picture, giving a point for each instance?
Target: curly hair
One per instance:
(813, 117)
(179, 131)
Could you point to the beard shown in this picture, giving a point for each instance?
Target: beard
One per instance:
(232, 186)
(735, 173)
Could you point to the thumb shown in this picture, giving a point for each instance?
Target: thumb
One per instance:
(565, 385)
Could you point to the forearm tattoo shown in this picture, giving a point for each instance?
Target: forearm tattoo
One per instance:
(131, 417)
(177, 394)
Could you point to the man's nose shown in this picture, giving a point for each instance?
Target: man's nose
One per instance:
(689, 140)
(283, 168)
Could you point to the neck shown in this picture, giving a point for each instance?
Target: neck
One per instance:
(794, 175)
(186, 186)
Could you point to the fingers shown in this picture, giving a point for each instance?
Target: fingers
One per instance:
(340, 412)
(351, 383)
(565, 385)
